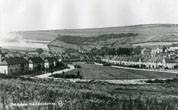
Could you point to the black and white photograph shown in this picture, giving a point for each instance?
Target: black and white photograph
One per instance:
(88, 54)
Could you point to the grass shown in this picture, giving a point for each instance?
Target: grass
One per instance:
(87, 96)
(91, 71)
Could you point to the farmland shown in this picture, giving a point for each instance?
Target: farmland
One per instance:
(91, 71)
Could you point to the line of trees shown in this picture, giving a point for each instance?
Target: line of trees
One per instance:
(81, 40)
(116, 51)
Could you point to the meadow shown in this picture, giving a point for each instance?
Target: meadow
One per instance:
(86, 96)
(91, 71)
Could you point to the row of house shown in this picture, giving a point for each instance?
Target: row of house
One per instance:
(141, 61)
(81, 57)
(10, 65)
(159, 49)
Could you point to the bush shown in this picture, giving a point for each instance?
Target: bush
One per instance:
(106, 64)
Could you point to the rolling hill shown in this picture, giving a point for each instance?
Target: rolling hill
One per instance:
(144, 33)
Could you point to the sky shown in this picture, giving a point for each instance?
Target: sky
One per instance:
(17, 15)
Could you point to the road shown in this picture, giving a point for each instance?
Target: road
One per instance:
(46, 75)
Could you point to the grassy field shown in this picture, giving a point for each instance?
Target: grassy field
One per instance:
(91, 71)
(86, 96)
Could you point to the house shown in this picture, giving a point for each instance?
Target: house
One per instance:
(74, 58)
(152, 62)
(118, 60)
(113, 59)
(161, 62)
(170, 64)
(97, 58)
(84, 58)
(173, 47)
(144, 61)
(59, 58)
(105, 58)
(121, 62)
(132, 61)
(156, 50)
(109, 57)
(35, 63)
(135, 61)
(13, 65)
(50, 62)
(125, 60)
(145, 51)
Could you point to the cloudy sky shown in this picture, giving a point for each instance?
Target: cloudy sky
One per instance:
(64, 14)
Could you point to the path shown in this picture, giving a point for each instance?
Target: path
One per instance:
(46, 75)
(156, 70)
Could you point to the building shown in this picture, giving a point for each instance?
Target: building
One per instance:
(156, 50)
(125, 60)
(161, 62)
(144, 61)
(145, 51)
(113, 59)
(13, 65)
(135, 61)
(121, 62)
(152, 62)
(105, 58)
(174, 47)
(170, 64)
(35, 63)
(33, 53)
(50, 62)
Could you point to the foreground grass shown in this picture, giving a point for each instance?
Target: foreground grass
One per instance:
(87, 96)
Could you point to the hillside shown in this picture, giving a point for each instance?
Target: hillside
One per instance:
(122, 38)
(146, 33)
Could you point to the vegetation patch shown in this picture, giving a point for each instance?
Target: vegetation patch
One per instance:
(174, 80)
(86, 96)
(67, 76)
(81, 40)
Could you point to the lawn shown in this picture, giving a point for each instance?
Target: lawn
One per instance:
(92, 71)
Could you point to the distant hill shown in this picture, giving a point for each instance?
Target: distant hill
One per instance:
(145, 33)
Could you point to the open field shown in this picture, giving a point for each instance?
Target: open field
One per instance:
(91, 71)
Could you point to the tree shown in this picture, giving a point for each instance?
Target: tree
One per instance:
(94, 51)
(39, 50)
(137, 50)
(78, 73)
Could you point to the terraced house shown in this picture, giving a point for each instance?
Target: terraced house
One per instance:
(156, 62)
(13, 65)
